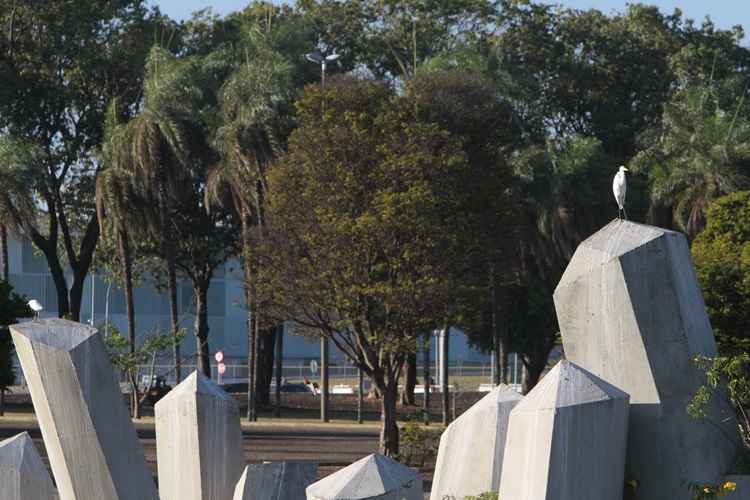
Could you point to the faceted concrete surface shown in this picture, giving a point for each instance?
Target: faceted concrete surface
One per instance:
(470, 457)
(631, 312)
(373, 477)
(23, 475)
(92, 446)
(276, 481)
(566, 439)
(198, 441)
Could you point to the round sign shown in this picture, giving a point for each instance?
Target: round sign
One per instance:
(219, 356)
(314, 366)
(222, 368)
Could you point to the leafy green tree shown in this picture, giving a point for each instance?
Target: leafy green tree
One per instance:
(359, 242)
(12, 307)
(699, 153)
(472, 111)
(62, 62)
(722, 261)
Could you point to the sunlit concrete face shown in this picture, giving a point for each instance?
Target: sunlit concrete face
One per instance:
(276, 481)
(630, 311)
(566, 439)
(23, 475)
(470, 457)
(198, 442)
(374, 477)
(92, 445)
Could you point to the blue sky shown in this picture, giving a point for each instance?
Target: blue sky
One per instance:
(724, 13)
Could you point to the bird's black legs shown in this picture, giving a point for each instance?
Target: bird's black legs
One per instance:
(624, 213)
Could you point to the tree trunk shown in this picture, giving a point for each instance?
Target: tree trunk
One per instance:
(426, 377)
(252, 345)
(61, 285)
(76, 295)
(388, 428)
(497, 372)
(530, 376)
(324, 378)
(502, 359)
(201, 328)
(445, 339)
(410, 380)
(2, 401)
(123, 246)
(279, 361)
(267, 341)
(360, 395)
(173, 316)
(4, 264)
(256, 351)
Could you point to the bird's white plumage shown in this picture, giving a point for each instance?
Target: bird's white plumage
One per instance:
(620, 187)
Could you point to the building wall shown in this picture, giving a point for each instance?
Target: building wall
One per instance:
(227, 316)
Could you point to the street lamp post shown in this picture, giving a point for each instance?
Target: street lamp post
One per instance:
(318, 58)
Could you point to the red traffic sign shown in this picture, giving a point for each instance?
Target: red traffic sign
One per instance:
(222, 368)
(219, 356)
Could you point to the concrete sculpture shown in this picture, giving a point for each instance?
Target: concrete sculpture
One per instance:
(631, 312)
(373, 477)
(470, 457)
(566, 439)
(92, 446)
(198, 441)
(23, 475)
(276, 481)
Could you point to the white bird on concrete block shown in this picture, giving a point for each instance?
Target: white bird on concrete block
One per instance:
(619, 188)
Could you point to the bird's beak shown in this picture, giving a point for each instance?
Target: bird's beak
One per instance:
(625, 169)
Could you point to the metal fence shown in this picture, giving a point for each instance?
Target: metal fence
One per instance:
(465, 375)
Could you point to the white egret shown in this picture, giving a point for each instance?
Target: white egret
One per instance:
(35, 306)
(619, 188)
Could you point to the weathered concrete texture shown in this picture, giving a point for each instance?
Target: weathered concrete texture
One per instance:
(92, 446)
(198, 441)
(373, 477)
(631, 312)
(276, 481)
(23, 475)
(470, 457)
(566, 439)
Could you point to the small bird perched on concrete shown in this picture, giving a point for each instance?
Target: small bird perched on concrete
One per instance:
(619, 188)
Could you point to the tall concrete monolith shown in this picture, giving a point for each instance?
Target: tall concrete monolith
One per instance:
(276, 481)
(23, 475)
(470, 456)
(198, 441)
(374, 477)
(631, 312)
(566, 439)
(91, 443)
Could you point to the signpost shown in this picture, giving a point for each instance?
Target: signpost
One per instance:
(219, 357)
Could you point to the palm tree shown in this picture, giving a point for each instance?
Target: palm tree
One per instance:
(17, 208)
(701, 152)
(156, 146)
(247, 141)
(117, 207)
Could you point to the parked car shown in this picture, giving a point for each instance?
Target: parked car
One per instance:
(158, 390)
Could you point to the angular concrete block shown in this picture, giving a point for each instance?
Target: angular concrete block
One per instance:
(566, 439)
(198, 441)
(276, 481)
(91, 443)
(373, 477)
(631, 312)
(23, 475)
(470, 457)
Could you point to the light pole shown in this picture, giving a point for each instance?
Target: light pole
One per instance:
(318, 58)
